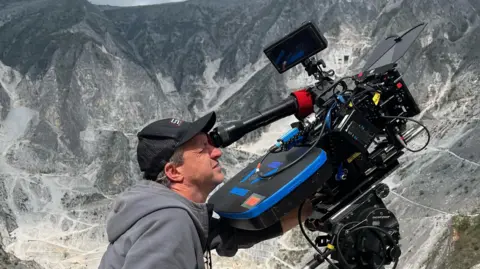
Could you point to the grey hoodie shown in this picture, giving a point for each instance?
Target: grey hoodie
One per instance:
(151, 226)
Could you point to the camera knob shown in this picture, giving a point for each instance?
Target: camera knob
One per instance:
(382, 190)
(394, 252)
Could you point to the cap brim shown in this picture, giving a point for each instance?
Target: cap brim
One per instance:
(203, 124)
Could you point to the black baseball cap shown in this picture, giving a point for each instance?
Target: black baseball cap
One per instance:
(159, 139)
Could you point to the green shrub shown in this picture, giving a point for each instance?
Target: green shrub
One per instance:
(466, 250)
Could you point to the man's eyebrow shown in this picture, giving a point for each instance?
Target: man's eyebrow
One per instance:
(201, 144)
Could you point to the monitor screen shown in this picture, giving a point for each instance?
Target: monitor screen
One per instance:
(295, 47)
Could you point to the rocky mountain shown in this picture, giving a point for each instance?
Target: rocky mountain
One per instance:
(77, 81)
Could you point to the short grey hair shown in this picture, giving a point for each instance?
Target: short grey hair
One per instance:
(176, 159)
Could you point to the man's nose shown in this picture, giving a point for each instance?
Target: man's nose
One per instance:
(216, 153)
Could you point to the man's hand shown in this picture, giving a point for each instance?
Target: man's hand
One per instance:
(290, 220)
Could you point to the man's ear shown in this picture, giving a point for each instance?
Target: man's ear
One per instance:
(173, 173)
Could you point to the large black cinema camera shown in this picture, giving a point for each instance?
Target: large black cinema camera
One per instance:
(346, 141)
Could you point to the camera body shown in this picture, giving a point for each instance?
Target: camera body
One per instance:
(344, 144)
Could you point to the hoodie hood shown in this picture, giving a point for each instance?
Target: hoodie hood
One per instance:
(146, 197)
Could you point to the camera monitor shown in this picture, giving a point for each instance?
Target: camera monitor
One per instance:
(297, 46)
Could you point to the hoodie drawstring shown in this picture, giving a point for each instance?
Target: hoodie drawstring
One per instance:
(208, 254)
(208, 259)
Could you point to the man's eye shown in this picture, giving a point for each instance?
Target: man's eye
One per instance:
(203, 147)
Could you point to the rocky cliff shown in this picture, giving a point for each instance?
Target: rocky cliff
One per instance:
(77, 81)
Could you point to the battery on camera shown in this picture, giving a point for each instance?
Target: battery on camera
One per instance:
(354, 129)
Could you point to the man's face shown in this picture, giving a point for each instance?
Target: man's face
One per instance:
(200, 163)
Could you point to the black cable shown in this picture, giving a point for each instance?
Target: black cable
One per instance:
(351, 99)
(337, 246)
(295, 161)
(299, 217)
(335, 85)
(419, 123)
(300, 223)
(316, 141)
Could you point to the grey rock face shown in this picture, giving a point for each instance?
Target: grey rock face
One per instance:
(4, 103)
(7, 225)
(8, 261)
(7, 216)
(110, 151)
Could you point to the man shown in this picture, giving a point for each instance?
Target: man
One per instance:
(164, 221)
